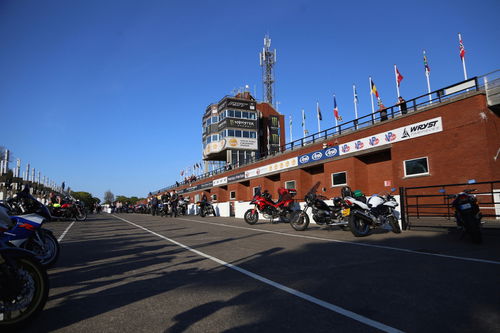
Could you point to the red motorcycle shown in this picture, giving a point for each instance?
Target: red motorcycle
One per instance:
(283, 209)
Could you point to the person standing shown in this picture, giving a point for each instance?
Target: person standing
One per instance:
(154, 205)
(174, 199)
(402, 105)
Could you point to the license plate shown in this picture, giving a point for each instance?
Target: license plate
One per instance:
(346, 212)
(465, 206)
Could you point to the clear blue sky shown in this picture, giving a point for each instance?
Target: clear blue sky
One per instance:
(109, 95)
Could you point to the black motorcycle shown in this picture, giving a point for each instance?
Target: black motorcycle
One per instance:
(24, 287)
(205, 208)
(467, 214)
(323, 214)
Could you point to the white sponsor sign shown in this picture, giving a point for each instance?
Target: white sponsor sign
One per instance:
(278, 166)
(422, 128)
(220, 181)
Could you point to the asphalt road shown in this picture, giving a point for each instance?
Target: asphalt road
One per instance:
(138, 273)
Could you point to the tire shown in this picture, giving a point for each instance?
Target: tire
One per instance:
(48, 253)
(287, 216)
(202, 212)
(393, 222)
(32, 297)
(251, 216)
(473, 229)
(299, 221)
(358, 226)
(80, 214)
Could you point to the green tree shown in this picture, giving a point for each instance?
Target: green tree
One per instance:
(86, 198)
(109, 197)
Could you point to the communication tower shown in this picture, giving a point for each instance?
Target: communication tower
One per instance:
(267, 61)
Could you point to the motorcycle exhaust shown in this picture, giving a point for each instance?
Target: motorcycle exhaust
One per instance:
(364, 216)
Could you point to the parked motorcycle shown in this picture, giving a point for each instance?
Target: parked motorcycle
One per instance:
(69, 209)
(21, 219)
(182, 206)
(263, 203)
(367, 214)
(467, 214)
(205, 208)
(24, 287)
(323, 214)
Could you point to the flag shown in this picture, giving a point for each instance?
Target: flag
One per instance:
(303, 118)
(462, 49)
(336, 109)
(356, 101)
(374, 89)
(399, 77)
(320, 117)
(290, 120)
(182, 173)
(426, 64)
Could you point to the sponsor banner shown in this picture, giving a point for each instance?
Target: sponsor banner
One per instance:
(241, 143)
(422, 128)
(237, 123)
(230, 103)
(319, 155)
(220, 181)
(204, 185)
(236, 177)
(278, 166)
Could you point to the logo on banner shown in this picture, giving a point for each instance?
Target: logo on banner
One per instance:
(425, 126)
(330, 152)
(317, 155)
(359, 144)
(345, 148)
(373, 141)
(390, 137)
(233, 142)
(405, 134)
(304, 159)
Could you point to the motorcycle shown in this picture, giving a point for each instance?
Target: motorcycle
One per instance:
(24, 230)
(367, 214)
(24, 287)
(263, 203)
(467, 214)
(205, 208)
(182, 207)
(70, 209)
(323, 214)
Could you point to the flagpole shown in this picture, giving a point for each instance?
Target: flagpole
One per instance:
(428, 80)
(355, 104)
(317, 116)
(397, 83)
(303, 124)
(291, 134)
(371, 96)
(463, 58)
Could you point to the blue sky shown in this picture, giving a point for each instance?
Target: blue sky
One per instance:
(108, 95)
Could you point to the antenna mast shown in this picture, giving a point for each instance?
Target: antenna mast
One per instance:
(267, 61)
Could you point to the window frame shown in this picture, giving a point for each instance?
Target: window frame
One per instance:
(290, 181)
(232, 195)
(406, 175)
(336, 173)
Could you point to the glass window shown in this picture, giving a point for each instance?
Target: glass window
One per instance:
(252, 115)
(253, 135)
(417, 166)
(246, 134)
(230, 132)
(339, 178)
(209, 139)
(237, 133)
(245, 114)
(255, 190)
(290, 184)
(230, 113)
(214, 120)
(232, 195)
(237, 114)
(209, 121)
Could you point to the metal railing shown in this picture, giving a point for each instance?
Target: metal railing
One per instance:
(431, 205)
(447, 94)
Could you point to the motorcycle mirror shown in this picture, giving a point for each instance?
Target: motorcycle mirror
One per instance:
(393, 189)
(324, 189)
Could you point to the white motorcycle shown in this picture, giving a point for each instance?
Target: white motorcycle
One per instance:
(367, 214)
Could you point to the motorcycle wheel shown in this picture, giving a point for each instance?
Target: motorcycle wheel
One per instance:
(358, 226)
(80, 215)
(393, 222)
(251, 216)
(473, 229)
(48, 252)
(19, 305)
(202, 212)
(299, 221)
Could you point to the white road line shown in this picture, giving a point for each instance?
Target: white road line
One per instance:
(65, 231)
(326, 305)
(483, 261)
